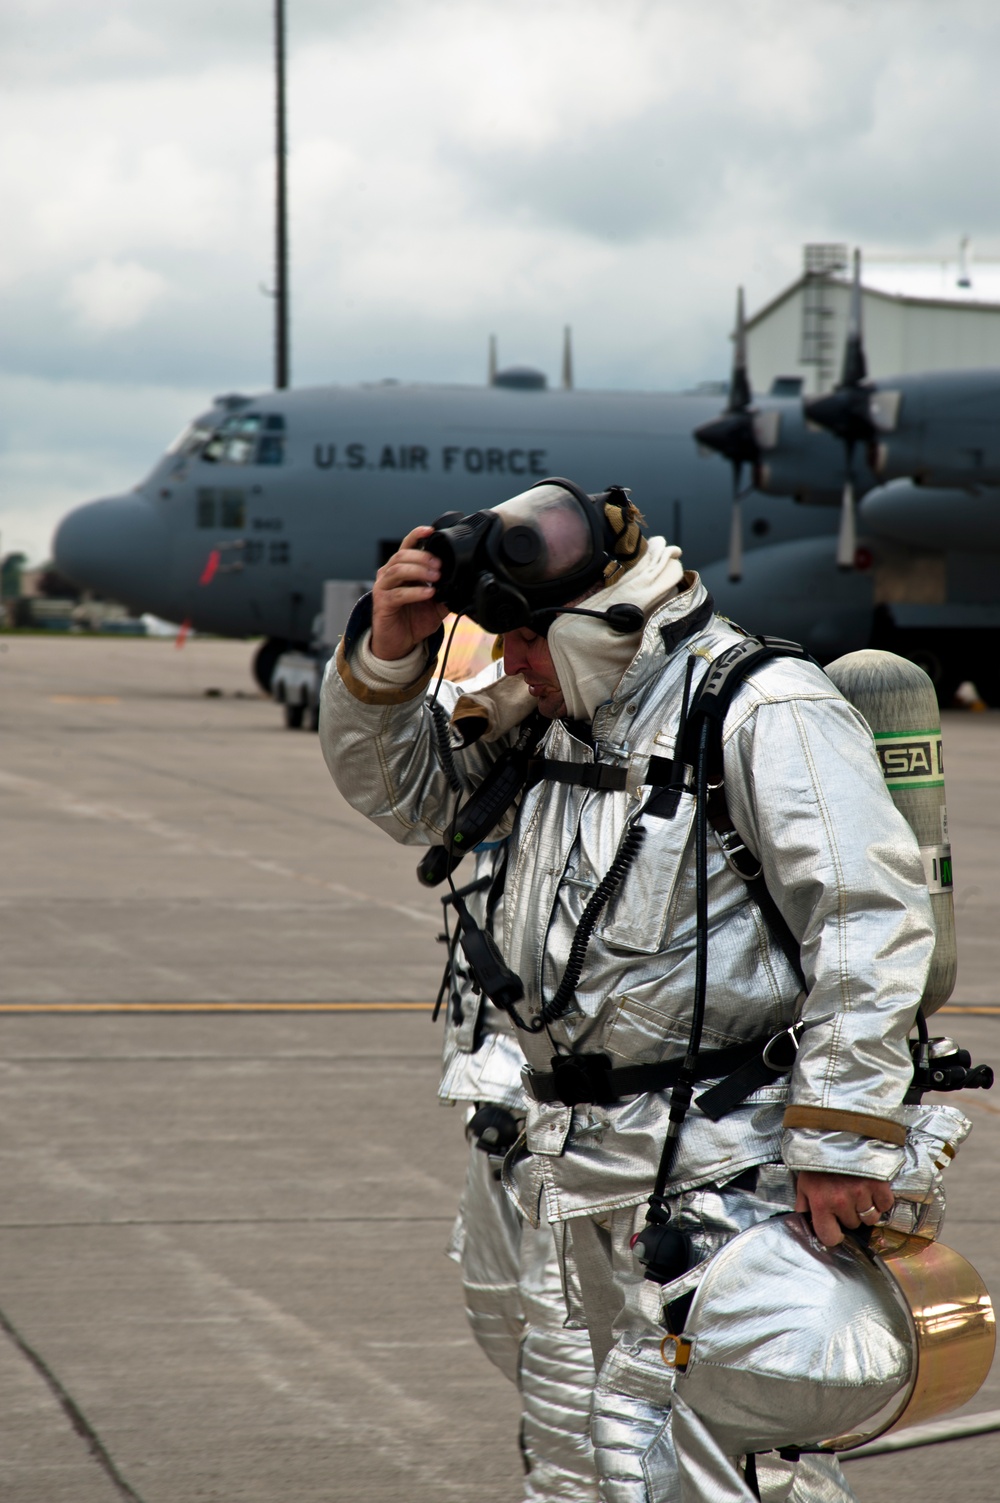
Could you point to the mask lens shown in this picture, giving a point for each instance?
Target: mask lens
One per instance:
(545, 536)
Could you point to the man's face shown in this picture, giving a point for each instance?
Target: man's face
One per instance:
(526, 653)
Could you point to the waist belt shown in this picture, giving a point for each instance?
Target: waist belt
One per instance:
(592, 1080)
(600, 775)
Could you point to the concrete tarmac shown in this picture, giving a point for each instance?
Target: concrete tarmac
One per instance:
(226, 1183)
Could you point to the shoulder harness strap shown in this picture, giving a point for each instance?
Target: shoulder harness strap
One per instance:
(724, 677)
(712, 702)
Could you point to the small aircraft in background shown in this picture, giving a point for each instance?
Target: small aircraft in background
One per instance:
(264, 498)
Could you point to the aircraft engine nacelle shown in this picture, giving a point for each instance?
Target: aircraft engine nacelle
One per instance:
(801, 460)
(937, 520)
(795, 590)
(941, 429)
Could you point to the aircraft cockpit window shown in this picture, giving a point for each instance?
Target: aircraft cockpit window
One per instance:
(235, 440)
(247, 438)
(271, 444)
(190, 440)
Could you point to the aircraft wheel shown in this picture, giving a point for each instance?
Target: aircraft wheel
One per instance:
(265, 660)
(293, 716)
(945, 670)
(947, 657)
(932, 663)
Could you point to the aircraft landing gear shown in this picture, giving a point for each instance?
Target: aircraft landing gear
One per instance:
(266, 658)
(949, 656)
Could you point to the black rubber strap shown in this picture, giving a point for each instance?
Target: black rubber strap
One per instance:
(676, 632)
(660, 771)
(715, 692)
(746, 865)
(599, 775)
(608, 1085)
(719, 1100)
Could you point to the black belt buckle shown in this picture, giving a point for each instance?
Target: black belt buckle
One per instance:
(582, 1079)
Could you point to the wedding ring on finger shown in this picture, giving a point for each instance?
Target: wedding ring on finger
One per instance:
(871, 1211)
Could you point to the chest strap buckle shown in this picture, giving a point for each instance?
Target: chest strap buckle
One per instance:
(738, 856)
(582, 1079)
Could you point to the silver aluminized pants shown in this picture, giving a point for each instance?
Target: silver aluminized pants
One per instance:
(518, 1299)
(634, 1395)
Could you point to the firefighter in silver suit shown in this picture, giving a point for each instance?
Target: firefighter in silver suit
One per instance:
(521, 1297)
(522, 1314)
(842, 868)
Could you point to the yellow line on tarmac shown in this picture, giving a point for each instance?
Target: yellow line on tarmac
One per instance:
(182, 1007)
(88, 1007)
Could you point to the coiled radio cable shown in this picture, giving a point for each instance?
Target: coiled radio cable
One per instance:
(601, 896)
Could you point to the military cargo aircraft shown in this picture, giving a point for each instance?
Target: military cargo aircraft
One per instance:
(263, 498)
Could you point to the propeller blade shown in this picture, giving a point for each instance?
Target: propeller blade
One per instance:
(736, 533)
(733, 435)
(846, 412)
(491, 362)
(855, 367)
(847, 538)
(740, 395)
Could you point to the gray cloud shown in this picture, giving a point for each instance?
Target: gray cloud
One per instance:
(458, 167)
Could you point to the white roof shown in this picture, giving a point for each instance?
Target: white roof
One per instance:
(934, 281)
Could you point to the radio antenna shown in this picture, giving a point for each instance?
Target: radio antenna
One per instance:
(567, 360)
(281, 355)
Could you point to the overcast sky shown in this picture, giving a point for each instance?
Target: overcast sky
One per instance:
(457, 168)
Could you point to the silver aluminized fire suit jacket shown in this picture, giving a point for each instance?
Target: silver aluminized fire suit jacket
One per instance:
(805, 791)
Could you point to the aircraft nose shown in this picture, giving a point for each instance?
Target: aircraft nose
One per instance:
(116, 547)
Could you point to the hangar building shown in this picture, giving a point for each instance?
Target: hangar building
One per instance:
(917, 316)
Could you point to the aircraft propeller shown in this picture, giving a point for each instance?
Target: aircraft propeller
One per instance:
(732, 435)
(846, 413)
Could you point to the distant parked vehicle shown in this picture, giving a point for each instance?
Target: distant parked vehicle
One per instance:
(295, 685)
(298, 673)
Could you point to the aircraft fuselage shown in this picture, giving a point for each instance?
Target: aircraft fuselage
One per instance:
(238, 541)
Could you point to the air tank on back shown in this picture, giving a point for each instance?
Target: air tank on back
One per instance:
(898, 701)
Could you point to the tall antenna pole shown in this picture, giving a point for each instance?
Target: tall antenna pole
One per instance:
(281, 362)
(567, 363)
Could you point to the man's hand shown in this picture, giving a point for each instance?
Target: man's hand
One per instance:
(404, 611)
(839, 1202)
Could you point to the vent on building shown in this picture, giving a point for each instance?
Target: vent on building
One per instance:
(821, 260)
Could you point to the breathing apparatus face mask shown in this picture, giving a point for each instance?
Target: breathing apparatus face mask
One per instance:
(522, 562)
